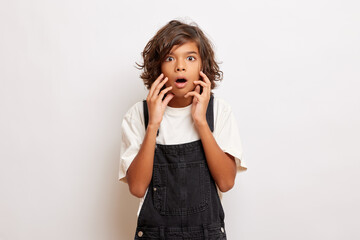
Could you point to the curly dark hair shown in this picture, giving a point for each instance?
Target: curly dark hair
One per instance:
(177, 33)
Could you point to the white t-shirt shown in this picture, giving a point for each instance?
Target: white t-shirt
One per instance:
(177, 127)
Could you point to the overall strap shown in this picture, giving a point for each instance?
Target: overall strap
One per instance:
(146, 116)
(209, 114)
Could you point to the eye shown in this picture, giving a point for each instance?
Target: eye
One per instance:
(191, 58)
(168, 59)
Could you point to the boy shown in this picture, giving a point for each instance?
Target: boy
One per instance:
(181, 144)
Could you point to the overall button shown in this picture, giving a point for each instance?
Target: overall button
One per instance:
(155, 189)
(140, 234)
(222, 229)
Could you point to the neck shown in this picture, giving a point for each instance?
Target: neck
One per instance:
(179, 102)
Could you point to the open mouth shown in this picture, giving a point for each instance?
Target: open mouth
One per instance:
(180, 82)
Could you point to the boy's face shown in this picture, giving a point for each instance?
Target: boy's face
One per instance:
(182, 66)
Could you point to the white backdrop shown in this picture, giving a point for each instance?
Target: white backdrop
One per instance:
(291, 74)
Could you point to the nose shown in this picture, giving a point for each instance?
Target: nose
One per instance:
(180, 66)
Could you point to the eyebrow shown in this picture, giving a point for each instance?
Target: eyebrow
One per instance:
(190, 52)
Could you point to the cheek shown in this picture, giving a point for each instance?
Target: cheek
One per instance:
(167, 84)
(162, 69)
(165, 67)
(199, 69)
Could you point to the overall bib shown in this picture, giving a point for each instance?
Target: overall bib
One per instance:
(182, 201)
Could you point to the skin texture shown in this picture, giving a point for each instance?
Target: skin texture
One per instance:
(182, 61)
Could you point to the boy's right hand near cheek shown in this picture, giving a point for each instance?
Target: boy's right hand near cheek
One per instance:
(154, 100)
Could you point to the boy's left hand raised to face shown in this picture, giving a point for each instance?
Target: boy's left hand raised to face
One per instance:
(200, 101)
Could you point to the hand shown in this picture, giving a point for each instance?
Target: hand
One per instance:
(200, 101)
(154, 100)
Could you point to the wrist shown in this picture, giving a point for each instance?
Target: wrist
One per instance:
(200, 124)
(153, 126)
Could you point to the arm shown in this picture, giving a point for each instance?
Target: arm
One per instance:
(221, 165)
(140, 170)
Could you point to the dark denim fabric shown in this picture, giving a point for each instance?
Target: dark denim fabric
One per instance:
(182, 200)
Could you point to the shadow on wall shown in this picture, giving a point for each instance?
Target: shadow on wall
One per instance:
(128, 206)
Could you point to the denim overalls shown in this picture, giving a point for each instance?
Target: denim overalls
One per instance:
(182, 201)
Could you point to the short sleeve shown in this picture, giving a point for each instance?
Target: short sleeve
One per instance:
(226, 132)
(132, 135)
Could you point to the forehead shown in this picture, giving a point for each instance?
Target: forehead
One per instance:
(186, 48)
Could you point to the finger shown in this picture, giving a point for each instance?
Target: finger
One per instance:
(197, 89)
(159, 86)
(167, 99)
(206, 79)
(163, 92)
(154, 84)
(194, 94)
(202, 84)
(207, 89)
